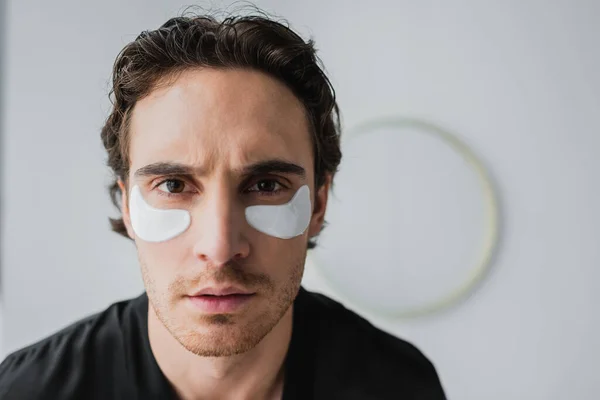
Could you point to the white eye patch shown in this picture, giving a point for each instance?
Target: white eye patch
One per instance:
(153, 224)
(283, 221)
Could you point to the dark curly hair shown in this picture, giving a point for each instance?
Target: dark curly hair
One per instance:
(252, 42)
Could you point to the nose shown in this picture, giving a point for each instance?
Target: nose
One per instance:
(218, 229)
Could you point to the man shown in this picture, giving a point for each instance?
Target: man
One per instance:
(224, 141)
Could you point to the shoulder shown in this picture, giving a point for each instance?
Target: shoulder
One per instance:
(65, 364)
(368, 361)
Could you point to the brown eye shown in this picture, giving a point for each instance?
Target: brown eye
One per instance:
(172, 186)
(267, 186)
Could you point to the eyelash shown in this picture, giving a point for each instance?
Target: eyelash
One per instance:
(167, 194)
(274, 192)
(171, 195)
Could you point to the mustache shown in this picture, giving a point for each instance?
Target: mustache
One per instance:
(231, 273)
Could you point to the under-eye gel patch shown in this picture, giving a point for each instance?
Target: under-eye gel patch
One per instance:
(283, 221)
(153, 224)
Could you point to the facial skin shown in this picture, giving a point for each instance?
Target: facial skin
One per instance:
(196, 143)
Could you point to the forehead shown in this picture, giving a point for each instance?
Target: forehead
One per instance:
(218, 117)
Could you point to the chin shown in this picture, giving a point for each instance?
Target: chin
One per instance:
(220, 340)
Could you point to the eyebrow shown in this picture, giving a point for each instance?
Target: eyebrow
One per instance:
(259, 168)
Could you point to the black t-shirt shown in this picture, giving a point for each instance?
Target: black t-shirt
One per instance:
(333, 354)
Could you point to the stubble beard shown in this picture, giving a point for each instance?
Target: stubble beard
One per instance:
(223, 335)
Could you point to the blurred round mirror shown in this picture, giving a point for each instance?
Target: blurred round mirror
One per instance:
(412, 219)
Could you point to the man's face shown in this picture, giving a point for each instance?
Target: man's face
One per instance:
(195, 145)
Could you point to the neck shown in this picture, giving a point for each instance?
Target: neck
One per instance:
(257, 373)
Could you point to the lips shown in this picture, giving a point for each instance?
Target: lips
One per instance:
(224, 291)
(220, 301)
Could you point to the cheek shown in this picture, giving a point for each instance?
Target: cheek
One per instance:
(278, 257)
(162, 261)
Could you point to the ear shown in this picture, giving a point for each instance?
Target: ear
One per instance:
(320, 206)
(125, 209)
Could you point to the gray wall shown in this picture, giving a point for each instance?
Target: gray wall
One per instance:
(518, 79)
(2, 60)
(3, 31)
